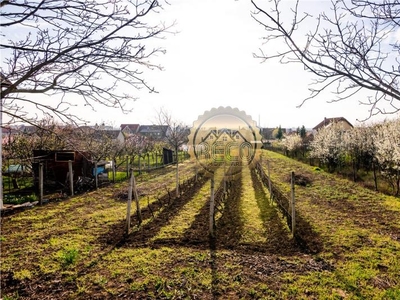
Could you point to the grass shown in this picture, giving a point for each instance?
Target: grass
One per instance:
(79, 243)
(181, 222)
(23, 182)
(19, 199)
(349, 218)
(253, 227)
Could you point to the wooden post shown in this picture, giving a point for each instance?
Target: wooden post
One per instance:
(293, 205)
(96, 178)
(129, 204)
(138, 211)
(224, 177)
(127, 166)
(177, 179)
(113, 170)
(40, 183)
(269, 181)
(71, 177)
(195, 169)
(212, 207)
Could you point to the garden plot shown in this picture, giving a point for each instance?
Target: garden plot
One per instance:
(77, 248)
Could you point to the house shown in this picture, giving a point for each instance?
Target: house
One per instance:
(156, 132)
(328, 121)
(110, 134)
(128, 129)
(267, 133)
(101, 132)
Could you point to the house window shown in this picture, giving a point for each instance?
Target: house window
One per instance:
(237, 136)
(224, 138)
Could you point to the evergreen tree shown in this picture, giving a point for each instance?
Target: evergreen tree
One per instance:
(303, 132)
(279, 134)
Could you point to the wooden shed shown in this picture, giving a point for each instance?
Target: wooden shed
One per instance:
(55, 166)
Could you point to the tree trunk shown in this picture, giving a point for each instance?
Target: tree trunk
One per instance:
(375, 178)
(177, 173)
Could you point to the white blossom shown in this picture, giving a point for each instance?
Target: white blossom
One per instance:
(292, 142)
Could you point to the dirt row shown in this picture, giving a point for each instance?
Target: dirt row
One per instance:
(259, 261)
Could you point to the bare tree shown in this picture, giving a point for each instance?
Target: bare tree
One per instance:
(135, 145)
(92, 49)
(48, 135)
(176, 135)
(351, 47)
(96, 141)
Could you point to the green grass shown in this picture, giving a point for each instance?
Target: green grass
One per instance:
(253, 229)
(181, 222)
(366, 259)
(23, 182)
(78, 244)
(19, 199)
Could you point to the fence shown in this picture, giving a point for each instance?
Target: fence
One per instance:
(286, 205)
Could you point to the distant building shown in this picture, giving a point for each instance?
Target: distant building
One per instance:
(129, 129)
(329, 121)
(269, 134)
(156, 132)
(266, 133)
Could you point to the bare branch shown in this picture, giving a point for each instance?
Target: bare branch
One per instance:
(348, 50)
(92, 49)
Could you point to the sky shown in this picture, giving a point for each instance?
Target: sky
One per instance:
(209, 63)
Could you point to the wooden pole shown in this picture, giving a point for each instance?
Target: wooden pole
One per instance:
(71, 177)
(212, 207)
(129, 204)
(293, 205)
(127, 166)
(195, 168)
(269, 181)
(96, 178)
(138, 211)
(177, 175)
(113, 170)
(40, 183)
(224, 177)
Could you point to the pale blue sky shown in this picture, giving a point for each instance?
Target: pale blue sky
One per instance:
(209, 63)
